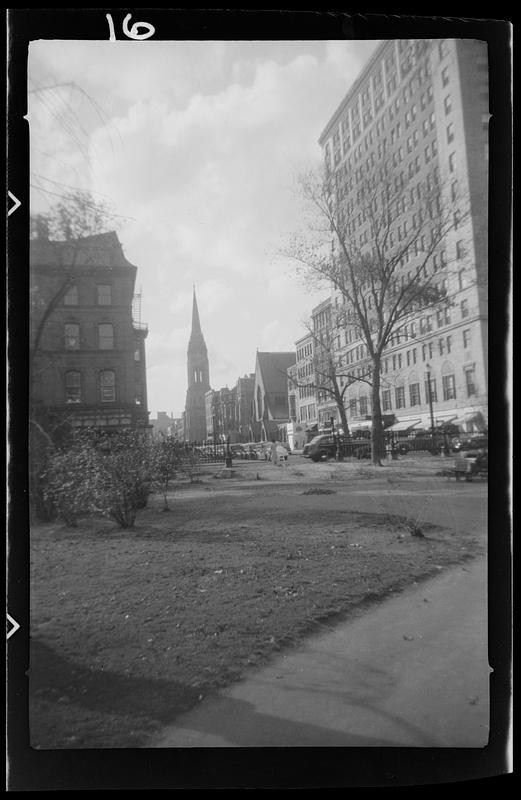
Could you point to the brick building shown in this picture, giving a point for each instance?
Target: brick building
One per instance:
(87, 351)
(425, 105)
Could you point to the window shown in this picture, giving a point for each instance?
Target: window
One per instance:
(71, 333)
(107, 386)
(106, 336)
(452, 162)
(466, 338)
(363, 405)
(400, 396)
(449, 387)
(447, 104)
(445, 76)
(138, 393)
(460, 249)
(386, 400)
(449, 344)
(470, 381)
(104, 295)
(464, 306)
(450, 132)
(137, 355)
(454, 190)
(73, 387)
(414, 394)
(461, 282)
(70, 298)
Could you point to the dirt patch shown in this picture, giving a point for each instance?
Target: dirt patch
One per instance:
(131, 628)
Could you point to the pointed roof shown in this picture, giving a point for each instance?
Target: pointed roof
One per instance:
(196, 341)
(196, 323)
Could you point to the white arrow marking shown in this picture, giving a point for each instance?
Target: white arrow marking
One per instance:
(16, 202)
(14, 624)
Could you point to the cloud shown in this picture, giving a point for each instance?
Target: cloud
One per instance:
(201, 148)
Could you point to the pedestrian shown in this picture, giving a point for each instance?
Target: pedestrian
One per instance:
(274, 453)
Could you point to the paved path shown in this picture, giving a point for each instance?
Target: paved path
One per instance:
(411, 672)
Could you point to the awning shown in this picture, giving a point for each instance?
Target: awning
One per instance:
(445, 419)
(472, 416)
(404, 424)
(359, 426)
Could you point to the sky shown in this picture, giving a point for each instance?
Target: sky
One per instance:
(197, 146)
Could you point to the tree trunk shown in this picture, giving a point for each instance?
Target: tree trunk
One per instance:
(343, 417)
(378, 443)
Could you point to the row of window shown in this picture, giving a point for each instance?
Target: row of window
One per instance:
(105, 337)
(106, 387)
(448, 389)
(428, 351)
(103, 295)
(428, 124)
(351, 132)
(307, 412)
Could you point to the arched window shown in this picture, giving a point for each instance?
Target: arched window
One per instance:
(107, 386)
(73, 387)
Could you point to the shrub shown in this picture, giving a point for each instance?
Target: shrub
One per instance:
(106, 474)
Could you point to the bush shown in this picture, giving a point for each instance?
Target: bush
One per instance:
(106, 474)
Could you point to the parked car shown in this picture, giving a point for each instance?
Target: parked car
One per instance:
(238, 451)
(460, 443)
(325, 446)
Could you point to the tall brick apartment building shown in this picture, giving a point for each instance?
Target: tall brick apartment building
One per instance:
(425, 105)
(87, 350)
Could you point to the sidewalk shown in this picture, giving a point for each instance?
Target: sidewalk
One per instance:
(410, 672)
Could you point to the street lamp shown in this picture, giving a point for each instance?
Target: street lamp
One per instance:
(429, 392)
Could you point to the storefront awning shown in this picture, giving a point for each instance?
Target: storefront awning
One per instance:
(359, 426)
(474, 417)
(404, 424)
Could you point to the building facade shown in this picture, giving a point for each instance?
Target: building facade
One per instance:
(244, 389)
(423, 104)
(198, 373)
(87, 355)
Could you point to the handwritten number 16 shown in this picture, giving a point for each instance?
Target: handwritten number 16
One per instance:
(133, 32)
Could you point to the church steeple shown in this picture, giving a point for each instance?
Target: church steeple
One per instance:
(196, 323)
(198, 379)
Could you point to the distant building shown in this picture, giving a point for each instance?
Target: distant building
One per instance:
(87, 350)
(302, 398)
(198, 381)
(244, 390)
(167, 424)
(270, 396)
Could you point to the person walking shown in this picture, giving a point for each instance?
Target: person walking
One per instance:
(274, 453)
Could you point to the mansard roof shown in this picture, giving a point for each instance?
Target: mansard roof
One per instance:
(99, 250)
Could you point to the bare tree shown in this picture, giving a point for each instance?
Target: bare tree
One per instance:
(382, 248)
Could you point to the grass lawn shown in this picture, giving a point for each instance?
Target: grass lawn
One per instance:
(130, 628)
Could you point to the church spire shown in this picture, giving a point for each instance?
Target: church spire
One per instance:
(196, 324)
